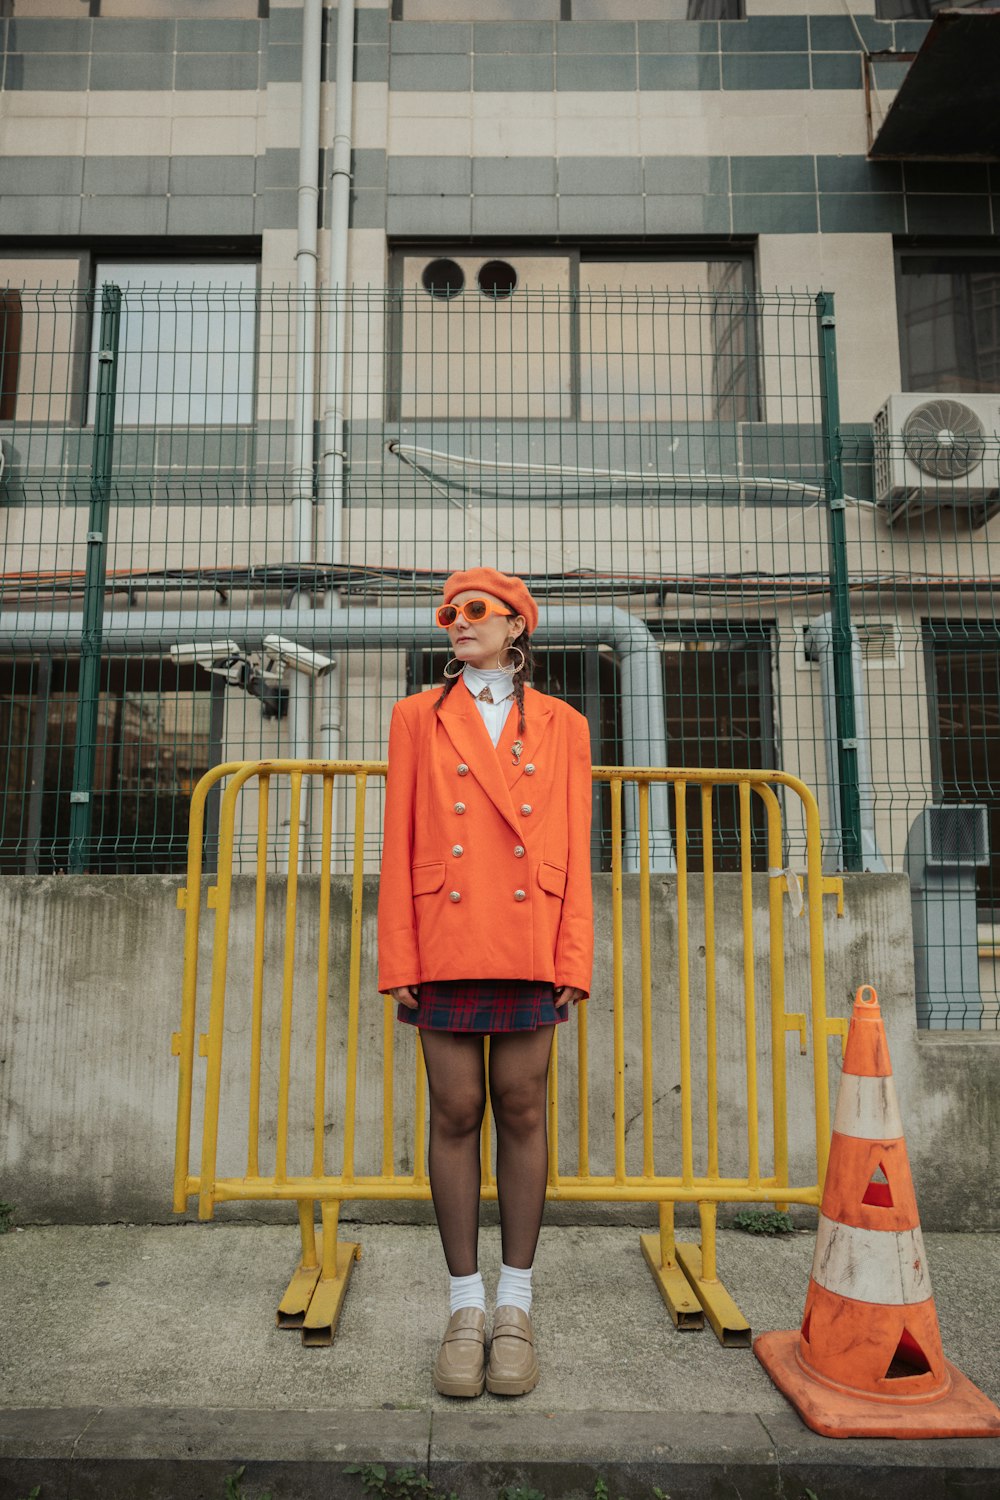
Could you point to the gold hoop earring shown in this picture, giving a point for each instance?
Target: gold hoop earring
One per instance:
(510, 666)
(458, 662)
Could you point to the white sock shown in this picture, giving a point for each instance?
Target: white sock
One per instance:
(467, 1291)
(514, 1287)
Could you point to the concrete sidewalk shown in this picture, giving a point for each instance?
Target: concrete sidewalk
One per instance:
(145, 1361)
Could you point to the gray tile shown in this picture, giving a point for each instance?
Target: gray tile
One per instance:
(908, 36)
(678, 36)
(112, 35)
(430, 174)
(195, 175)
(132, 70)
(837, 70)
(512, 215)
(124, 176)
(207, 215)
(853, 174)
(275, 210)
(946, 177)
(107, 215)
(779, 213)
(686, 174)
(424, 71)
(433, 37)
(513, 36)
(765, 34)
(277, 167)
(282, 64)
(690, 70)
(765, 70)
(221, 36)
(686, 213)
(368, 168)
(371, 25)
(599, 174)
(838, 34)
(600, 215)
(520, 176)
(48, 35)
(46, 176)
(284, 25)
(371, 65)
(218, 70)
(589, 73)
(864, 213)
(930, 214)
(53, 70)
(600, 37)
(367, 208)
(773, 174)
(40, 215)
(422, 215)
(496, 73)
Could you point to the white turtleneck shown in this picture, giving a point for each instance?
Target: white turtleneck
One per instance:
(501, 685)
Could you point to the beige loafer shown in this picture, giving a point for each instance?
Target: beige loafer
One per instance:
(513, 1368)
(460, 1368)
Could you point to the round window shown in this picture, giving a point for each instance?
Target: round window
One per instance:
(497, 278)
(443, 278)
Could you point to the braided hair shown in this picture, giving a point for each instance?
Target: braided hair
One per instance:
(522, 676)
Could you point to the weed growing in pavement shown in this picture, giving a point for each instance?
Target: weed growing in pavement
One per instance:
(403, 1484)
(763, 1221)
(6, 1217)
(234, 1486)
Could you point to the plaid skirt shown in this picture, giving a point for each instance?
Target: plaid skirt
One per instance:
(484, 1005)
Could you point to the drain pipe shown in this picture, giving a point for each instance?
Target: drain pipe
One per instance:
(300, 686)
(640, 666)
(819, 647)
(333, 452)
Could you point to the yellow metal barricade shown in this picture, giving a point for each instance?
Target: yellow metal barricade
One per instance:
(292, 1089)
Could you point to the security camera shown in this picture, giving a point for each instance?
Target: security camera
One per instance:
(204, 653)
(299, 658)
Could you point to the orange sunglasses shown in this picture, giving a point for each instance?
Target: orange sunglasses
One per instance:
(474, 610)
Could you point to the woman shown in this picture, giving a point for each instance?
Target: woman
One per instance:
(485, 928)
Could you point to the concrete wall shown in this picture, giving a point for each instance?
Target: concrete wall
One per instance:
(91, 980)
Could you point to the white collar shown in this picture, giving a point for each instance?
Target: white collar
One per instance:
(500, 683)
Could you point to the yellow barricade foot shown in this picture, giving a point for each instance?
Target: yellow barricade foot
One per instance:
(320, 1322)
(675, 1289)
(731, 1327)
(292, 1307)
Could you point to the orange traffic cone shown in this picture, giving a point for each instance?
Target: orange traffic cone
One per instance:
(868, 1360)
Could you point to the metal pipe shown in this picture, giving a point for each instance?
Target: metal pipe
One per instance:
(307, 277)
(644, 733)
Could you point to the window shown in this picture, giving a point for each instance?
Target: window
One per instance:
(566, 10)
(924, 10)
(949, 320)
(964, 675)
(159, 730)
(10, 351)
(505, 332)
(188, 336)
(170, 10)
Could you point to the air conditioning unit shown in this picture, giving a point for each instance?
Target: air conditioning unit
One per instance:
(938, 451)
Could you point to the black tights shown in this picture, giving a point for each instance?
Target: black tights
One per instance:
(519, 1062)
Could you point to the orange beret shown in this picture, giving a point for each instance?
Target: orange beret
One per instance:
(512, 591)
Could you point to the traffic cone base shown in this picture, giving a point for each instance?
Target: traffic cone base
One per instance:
(887, 1352)
(963, 1411)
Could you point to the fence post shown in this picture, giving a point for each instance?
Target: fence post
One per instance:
(88, 696)
(843, 670)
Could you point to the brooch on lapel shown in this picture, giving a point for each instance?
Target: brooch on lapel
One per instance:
(516, 751)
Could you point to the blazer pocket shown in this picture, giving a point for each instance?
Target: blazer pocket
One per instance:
(552, 878)
(427, 878)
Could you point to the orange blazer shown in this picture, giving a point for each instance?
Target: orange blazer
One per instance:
(486, 853)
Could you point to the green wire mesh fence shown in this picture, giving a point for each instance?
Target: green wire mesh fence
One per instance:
(202, 486)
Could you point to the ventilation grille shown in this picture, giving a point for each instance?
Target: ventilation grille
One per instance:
(957, 835)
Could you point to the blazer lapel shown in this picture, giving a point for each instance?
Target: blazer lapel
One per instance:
(468, 734)
(517, 750)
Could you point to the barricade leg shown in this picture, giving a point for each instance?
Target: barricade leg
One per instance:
(292, 1307)
(698, 1264)
(660, 1254)
(323, 1312)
